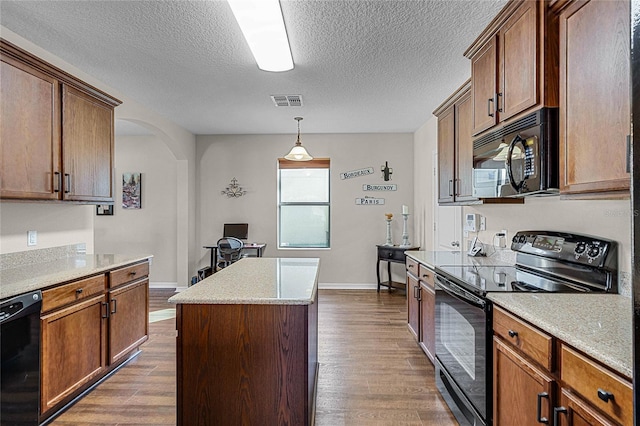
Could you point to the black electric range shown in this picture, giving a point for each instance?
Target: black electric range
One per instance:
(546, 261)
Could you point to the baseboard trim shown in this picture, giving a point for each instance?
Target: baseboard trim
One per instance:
(347, 286)
(162, 284)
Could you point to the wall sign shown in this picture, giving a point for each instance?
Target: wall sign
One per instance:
(356, 173)
(390, 187)
(369, 201)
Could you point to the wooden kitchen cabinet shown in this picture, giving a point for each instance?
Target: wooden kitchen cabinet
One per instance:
(413, 302)
(427, 332)
(455, 148)
(594, 98)
(88, 328)
(56, 133)
(513, 64)
(128, 319)
(536, 376)
(73, 349)
(523, 393)
(421, 305)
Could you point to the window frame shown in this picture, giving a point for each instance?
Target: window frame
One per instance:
(316, 163)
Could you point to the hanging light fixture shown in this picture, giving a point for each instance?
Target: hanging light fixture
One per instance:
(298, 153)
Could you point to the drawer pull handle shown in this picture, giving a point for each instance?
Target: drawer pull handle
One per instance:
(605, 396)
(539, 410)
(132, 273)
(105, 305)
(425, 275)
(411, 266)
(79, 290)
(115, 306)
(556, 411)
(513, 333)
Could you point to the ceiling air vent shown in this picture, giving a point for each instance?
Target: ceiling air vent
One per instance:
(287, 100)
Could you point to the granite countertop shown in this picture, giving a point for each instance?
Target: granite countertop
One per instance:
(459, 258)
(24, 278)
(597, 324)
(257, 280)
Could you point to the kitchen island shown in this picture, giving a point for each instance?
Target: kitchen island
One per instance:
(247, 344)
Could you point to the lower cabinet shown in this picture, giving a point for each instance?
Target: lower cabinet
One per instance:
(86, 332)
(73, 349)
(522, 391)
(421, 304)
(537, 378)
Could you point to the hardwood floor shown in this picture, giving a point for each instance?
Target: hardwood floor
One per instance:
(372, 372)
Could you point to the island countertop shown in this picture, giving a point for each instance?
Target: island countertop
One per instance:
(257, 280)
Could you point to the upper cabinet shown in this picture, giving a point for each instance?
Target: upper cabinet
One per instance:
(514, 64)
(56, 133)
(594, 97)
(455, 148)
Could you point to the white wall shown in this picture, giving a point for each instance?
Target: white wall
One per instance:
(355, 230)
(153, 228)
(425, 141)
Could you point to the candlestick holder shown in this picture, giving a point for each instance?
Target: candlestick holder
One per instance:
(389, 242)
(405, 233)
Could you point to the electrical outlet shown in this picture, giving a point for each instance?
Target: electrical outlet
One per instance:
(483, 223)
(32, 238)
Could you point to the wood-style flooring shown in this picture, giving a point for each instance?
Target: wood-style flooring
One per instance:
(372, 372)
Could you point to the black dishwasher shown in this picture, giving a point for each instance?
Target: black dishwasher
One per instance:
(20, 356)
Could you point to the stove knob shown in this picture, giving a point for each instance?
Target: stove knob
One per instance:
(522, 239)
(594, 251)
(514, 239)
(580, 248)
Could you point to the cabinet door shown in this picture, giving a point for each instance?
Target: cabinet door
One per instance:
(578, 412)
(128, 319)
(484, 82)
(464, 149)
(428, 320)
(446, 153)
(594, 96)
(87, 135)
(518, 387)
(518, 62)
(29, 133)
(73, 349)
(413, 305)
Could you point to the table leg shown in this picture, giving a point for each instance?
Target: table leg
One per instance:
(389, 275)
(378, 273)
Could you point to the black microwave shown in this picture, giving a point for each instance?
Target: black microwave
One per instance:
(519, 159)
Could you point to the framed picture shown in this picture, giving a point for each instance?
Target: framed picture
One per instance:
(104, 209)
(131, 190)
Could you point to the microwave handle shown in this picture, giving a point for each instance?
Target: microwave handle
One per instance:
(516, 185)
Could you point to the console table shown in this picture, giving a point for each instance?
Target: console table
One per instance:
(391, 254)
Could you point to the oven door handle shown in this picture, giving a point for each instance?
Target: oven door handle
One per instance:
(455, 291)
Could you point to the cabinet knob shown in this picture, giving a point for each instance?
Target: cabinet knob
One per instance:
(605, 396)
(513, 333)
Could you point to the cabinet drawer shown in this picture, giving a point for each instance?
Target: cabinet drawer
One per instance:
(531, 341)
(412, 267)
(426, 275)
(590, 379)
(128, 273)
(72, 292)
(390, 254)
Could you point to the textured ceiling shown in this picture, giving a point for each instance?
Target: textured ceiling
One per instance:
(360, 66)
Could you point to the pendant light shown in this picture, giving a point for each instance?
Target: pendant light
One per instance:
(298, 153)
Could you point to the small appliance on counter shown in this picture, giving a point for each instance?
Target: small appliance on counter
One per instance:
(546, 261)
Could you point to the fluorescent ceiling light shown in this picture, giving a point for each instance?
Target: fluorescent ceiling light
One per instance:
(262, 25)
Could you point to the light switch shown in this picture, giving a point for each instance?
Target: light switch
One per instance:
(32, 238)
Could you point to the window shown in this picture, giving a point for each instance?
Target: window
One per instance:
(303, 203)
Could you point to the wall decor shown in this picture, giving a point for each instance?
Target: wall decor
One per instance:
(386, 171)
(104, 210)
(132, 190)
(369, 201)
(357, 173)
(234, 190)
(390, 187)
